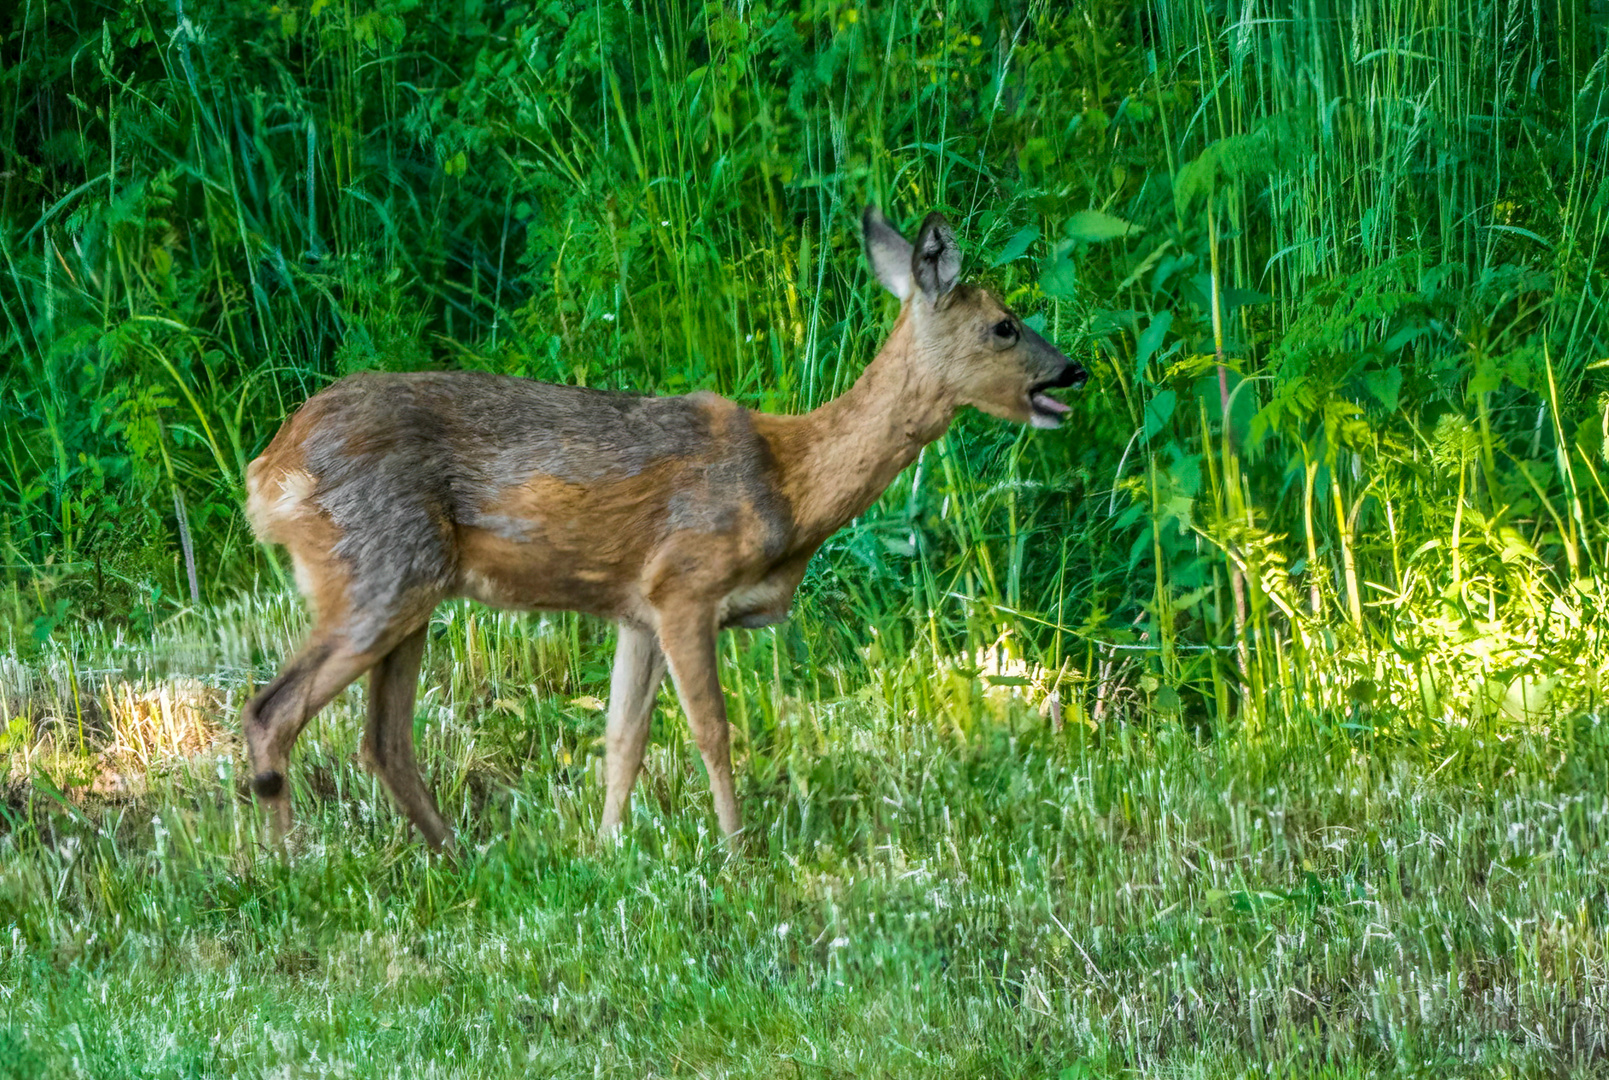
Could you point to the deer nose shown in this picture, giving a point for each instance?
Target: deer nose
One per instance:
(1072, 375)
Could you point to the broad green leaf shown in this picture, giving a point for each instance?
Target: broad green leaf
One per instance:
(1278, 143)
(1363, 691)
(1177, 509)
(1488, 376)
(1384, 385)
(1238, 298)
(1150, 340)
(1017, 245)
(1060, 276)
(1184, 473)
(1158, 411)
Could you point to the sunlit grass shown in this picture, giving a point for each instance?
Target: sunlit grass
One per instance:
(958, 891)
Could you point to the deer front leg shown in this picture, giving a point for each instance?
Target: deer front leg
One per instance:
(687, 635)
(639, 669)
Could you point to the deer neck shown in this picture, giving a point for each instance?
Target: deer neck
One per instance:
(844, 454)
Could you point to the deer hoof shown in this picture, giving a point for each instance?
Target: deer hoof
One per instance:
(268, 783)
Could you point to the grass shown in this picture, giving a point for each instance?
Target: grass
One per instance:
(963, 892)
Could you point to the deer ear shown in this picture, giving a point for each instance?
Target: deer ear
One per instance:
(936, 262)
(888, 252)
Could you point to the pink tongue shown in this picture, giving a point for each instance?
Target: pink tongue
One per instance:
(1046, 403)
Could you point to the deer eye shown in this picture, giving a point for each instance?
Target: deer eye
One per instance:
(1005, 329)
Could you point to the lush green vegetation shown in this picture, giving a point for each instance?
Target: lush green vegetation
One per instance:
(1253, 720)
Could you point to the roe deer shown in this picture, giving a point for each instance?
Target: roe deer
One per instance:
(672, 516)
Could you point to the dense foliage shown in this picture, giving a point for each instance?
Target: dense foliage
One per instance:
(1373, 240)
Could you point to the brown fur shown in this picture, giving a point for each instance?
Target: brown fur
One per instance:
(673, 517)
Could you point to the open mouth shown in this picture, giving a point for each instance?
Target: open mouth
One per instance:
(1044, 411)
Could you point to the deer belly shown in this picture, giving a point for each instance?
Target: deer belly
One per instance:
(524, 576)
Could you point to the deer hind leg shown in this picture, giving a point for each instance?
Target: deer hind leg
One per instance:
(339, 649)
(639, 669)
(388, 738)
(275, 717)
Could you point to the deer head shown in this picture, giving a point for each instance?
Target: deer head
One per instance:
(977, 350)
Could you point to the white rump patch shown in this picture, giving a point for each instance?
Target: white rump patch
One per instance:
(295, 488)
(275, 502)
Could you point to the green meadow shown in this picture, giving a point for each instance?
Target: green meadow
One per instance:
(1252, 723)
